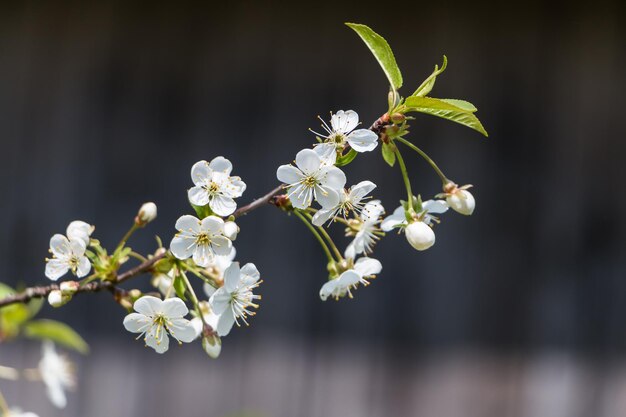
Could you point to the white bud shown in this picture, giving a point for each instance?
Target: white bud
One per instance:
(462, 201)
(147, 213)
(420, 235)
(230, 230)
(69, 287)
(212, 345)
(57, 299)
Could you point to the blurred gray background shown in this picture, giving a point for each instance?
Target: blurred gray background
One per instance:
(518, 310)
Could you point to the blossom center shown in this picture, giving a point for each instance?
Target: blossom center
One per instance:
(309, 181)
(339, 139)
(203, 239)
(212, 188)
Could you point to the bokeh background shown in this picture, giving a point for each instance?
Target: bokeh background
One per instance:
(519, 310)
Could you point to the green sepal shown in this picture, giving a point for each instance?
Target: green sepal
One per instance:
(445, 110)
(59, 333)
(202, 211)
(346, 159)
(382, 52)
(179, 287)
(389, 154)
(428, 84)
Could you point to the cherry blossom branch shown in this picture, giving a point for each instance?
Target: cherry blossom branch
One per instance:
(258, 202)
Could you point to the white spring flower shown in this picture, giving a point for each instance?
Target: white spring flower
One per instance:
(147, 213)
(231, 230)
(341, 131)
(365, 268)
(351, 200)
(311, 178)
(461, 201)
(200, 239)
(419, 235)
(79, 230)
(214, 186)
(68, 255)
(211, 344)
(233, 301)
(365, 229)
(155, 318)
(57, 373)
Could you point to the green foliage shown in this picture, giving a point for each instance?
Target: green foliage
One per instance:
(444, 109)
(462, 104)
(179, 287)
(428, 84)
(202, 211)
(12, 317)
(388, 153)
(382, 52)
(346, 159)
(59, 333)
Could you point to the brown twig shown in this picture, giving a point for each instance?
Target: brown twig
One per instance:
(258, 202)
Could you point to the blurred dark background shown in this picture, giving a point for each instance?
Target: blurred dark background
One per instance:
(106, 105)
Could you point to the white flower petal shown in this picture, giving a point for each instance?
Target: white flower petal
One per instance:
(389, 222)
(200, 173)
(368, 266)
(203, 255)
(324, 215)
(148, 306)
(327, 197)
(289, 174)
(435, 206)
(198, 196)
(56, 268)
(363, 140)
(372, 211)
(225, 323)
(209, 290)
(137, 323)
(234, 187)
(160, 343)
(327, 153)
(223, 205)
(349, 278)
(60, 246)
(174, 308)
(360, 190)
(84, 266)
(56, 394)
(221, 245)
(212, 225)
(221, 164)
(220, 300)
(182, 329)
(308, 161)
(249, 274)
(344, 122)
(79, 230)
(300, 196)
(231, 277)
(328, 288)
(188, 223)
(332, 177)
(183, 247)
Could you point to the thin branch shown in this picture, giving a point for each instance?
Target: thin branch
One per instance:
(258, 202)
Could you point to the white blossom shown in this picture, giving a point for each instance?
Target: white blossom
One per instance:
(79, 230)
(341, 131)
(367, 228)
(200, 239)
(349, 200)
(214, 186)
(57, 373)
(231, 230)
(216, 270)
(155, 318)
(68, 255)
(211, 344)
(364, 268)
(461, 201)
(311, 178)
(233, 301)
(56, 298)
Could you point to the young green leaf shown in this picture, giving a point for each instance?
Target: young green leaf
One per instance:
(462, 104)
(179, 287)
(428, 84)
(443, 109)
(382, 51)
(388, 154)
(346, 159)
(202, 211)
(57, 332)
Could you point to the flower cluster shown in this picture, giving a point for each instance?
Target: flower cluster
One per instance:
(68, 251)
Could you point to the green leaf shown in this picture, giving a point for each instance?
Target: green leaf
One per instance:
(346, 159)
(382, 51)
(13, 316)
(388, 153)
(428, 84)
(179, 287)
(462, 104)
(202, 211)
(445, 110)
(57, 332)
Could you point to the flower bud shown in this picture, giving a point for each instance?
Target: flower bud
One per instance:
(420, 235)
(57, 299)
(212, 345)
(147, 213)
(230, 230)
(461, 201)
(69, 287)
(398, 117)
